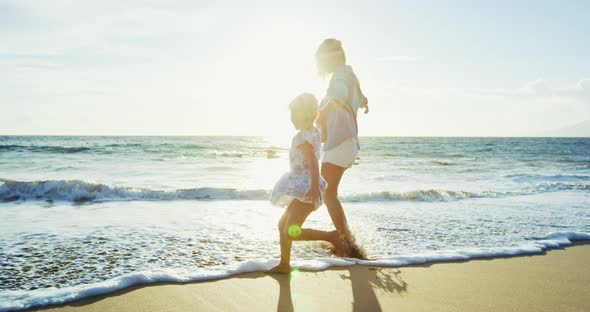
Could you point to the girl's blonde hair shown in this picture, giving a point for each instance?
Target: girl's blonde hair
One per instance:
(304, 111)
(329, 56)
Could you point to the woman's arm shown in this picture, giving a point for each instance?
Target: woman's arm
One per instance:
(309, 155)
(322, 121)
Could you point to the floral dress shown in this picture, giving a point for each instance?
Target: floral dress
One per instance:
(297, 182)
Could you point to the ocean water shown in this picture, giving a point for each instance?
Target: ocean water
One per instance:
(81, 216)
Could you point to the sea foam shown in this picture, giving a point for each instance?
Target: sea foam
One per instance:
(17, 300)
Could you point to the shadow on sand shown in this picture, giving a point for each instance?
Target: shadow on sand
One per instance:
(363, 283)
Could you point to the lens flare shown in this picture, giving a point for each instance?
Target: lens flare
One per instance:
(294, 230)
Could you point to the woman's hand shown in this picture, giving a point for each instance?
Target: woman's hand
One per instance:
(314, 194)
(366, 108)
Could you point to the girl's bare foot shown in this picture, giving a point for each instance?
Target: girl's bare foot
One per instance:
(282, 268)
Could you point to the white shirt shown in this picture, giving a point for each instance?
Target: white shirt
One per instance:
(341, 124)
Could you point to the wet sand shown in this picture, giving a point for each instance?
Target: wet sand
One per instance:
(558, 280)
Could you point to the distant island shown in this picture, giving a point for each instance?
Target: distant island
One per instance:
(581, 129)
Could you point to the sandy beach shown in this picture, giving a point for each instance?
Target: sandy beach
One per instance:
(168, 155)
(555, 281)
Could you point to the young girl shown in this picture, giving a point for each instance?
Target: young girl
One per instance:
(302, 188)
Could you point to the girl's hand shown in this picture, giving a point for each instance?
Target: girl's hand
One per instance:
(367, 108)
(314, 194)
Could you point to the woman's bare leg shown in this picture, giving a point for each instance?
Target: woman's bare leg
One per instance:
(333, 174)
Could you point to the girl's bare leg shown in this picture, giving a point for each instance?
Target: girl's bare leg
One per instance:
(317, 235)
(290, 230)
(295, 215)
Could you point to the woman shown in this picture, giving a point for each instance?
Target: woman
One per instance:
(337, 120)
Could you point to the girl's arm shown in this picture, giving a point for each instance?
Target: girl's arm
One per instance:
(309, 155)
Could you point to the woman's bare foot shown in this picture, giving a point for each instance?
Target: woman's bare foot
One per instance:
(282, 268)
(340, 245)
(354, 250)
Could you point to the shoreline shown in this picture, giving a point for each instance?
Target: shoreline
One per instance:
(561, 283)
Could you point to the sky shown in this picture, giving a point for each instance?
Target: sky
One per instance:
(179, 67)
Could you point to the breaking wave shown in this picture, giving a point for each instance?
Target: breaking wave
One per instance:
(82, 192)
(44, 149)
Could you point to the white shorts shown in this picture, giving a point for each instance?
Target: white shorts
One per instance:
(342, 155)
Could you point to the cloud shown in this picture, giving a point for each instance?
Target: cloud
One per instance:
(538, 87)
(398, 58)
(529, 109)
(578, 93)
(584, 84)
(90, 28)
(538, 90)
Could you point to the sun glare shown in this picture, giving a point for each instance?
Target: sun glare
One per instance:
(269, 69)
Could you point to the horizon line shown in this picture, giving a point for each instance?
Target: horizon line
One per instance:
(263, 136)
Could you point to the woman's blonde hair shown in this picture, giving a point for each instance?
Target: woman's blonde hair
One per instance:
(330, 56)
(304, 111)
